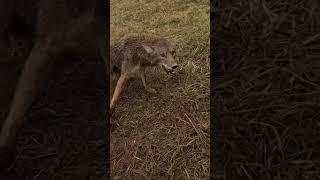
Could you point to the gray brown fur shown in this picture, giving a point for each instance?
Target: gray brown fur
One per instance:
(55, 25)
(130, 57)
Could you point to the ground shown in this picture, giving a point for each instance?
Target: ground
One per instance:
(266, 86)
(65, 130)
(164, 135)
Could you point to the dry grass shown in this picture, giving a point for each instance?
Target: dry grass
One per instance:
(266, 93)
(64, 132)
(165, 135)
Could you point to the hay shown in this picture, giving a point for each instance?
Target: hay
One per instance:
(266, 89)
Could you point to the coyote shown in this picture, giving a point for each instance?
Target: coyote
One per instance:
(55, 25)
(131, 56)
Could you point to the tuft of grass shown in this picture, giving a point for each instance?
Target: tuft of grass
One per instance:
(165, 135)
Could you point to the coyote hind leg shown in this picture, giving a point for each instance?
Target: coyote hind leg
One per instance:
(32, 77)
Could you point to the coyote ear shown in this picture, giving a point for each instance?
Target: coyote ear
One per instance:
(148, 49)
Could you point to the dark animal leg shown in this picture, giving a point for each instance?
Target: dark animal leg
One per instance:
(32, 78)
(142, 73)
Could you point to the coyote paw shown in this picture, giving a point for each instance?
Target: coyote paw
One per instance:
(151, 90)
(112, 109)
(111, 113)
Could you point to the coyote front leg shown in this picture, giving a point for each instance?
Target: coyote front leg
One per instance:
(121, 82)
(142, 73)
(32, 77)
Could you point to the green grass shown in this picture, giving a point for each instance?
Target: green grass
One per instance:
(164, 135)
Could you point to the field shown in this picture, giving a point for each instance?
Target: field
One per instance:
(64, 133)
(266, 89)
(164, 135)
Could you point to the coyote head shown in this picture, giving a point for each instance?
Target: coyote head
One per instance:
(162, 52)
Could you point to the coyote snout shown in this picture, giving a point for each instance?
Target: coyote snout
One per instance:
(168, 63)
(132, 55)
